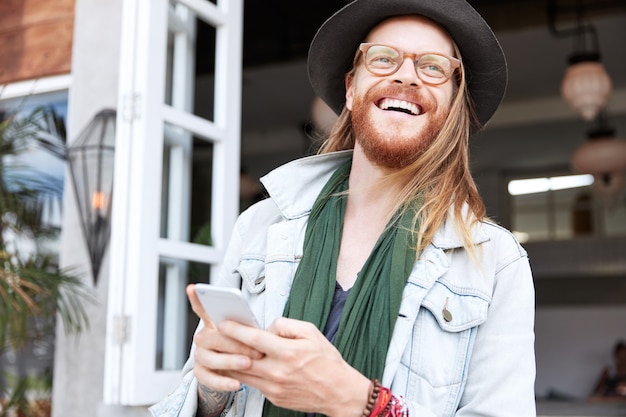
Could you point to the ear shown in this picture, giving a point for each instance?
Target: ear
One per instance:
(349, 91)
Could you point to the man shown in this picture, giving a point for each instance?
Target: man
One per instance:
(398, 296)
(612, 380)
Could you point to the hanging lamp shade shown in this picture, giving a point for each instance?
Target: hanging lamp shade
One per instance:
(604, 156)
(586, 85)
(609, 185)
(597, 156)
(90, 159)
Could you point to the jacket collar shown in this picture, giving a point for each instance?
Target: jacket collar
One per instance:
(294, 187)
(449, 237)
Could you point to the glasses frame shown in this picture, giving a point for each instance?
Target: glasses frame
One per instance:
(455, 63)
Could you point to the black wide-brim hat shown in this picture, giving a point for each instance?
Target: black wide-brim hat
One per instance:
(333, 48)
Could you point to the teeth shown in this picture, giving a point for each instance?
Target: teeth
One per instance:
(399, 104)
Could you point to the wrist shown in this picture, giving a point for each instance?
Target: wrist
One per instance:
(351, 399)
(382, 403)
(377, 401)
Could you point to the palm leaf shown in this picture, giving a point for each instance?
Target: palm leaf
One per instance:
(34, 291)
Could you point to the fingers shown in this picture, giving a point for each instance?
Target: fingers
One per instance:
(213, 369)
(298, 357)
(197, 308)
(216, 355)
(216, 341)
(271, 342)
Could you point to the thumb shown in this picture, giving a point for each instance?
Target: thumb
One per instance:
(197, 308)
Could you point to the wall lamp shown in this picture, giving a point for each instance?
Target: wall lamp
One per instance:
(91, 159)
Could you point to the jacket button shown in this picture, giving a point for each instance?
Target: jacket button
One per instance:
(447, 316)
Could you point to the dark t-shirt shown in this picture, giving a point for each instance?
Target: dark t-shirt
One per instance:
(334, 317)
(336, 308)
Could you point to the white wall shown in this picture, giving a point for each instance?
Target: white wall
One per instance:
(573, 344)
(79, 362)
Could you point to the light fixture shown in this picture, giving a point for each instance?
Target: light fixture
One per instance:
(586, 85)
(90, 159)
(542, 185)
(603, 155)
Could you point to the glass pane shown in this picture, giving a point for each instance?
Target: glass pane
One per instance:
(36, 126)
(187, 187)
(189, 78)
(529, 216)
(615, 219)
(566, 208)
(41, 133)
(582, 218)
(204, 99)
(201, 192)
(567, 214)
(176, 322)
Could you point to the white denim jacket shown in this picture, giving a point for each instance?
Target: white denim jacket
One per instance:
(479, 363)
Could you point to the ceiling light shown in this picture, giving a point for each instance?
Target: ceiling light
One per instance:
(586, 86)
(541, 185)
(604, 156)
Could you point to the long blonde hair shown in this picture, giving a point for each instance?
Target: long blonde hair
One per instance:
(440, 176)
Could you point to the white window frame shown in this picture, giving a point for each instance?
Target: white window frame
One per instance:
(136, 246)
(35, 86)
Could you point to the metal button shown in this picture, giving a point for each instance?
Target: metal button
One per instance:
(447, 316)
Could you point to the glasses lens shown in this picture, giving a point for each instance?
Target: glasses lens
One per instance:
(381, 59)
(434, 68)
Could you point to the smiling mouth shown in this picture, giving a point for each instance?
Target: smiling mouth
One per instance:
(401, 106)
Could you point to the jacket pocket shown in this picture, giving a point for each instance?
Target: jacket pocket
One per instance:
(252, 272)
(435, 362)
(455, 310)
(443, 336)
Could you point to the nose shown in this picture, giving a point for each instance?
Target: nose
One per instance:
(407, 73)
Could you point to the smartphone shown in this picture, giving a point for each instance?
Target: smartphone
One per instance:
(223, 303)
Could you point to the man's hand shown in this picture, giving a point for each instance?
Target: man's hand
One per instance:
(217, 353)
(300, 369)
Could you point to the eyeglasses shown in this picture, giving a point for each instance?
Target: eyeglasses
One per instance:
(432, 68)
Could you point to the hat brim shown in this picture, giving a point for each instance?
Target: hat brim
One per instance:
(333, 48)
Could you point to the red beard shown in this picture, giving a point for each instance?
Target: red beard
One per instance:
(390, 148)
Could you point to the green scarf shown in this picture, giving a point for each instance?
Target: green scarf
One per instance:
(372, 307)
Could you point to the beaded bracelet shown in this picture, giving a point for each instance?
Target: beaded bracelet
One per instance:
(381, 403)
(378, 400)
(384, 397)
(373, 397)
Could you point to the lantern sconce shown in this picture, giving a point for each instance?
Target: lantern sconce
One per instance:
(91, 159)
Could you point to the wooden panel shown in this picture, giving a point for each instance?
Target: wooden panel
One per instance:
(35, 38)
(15, 14)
